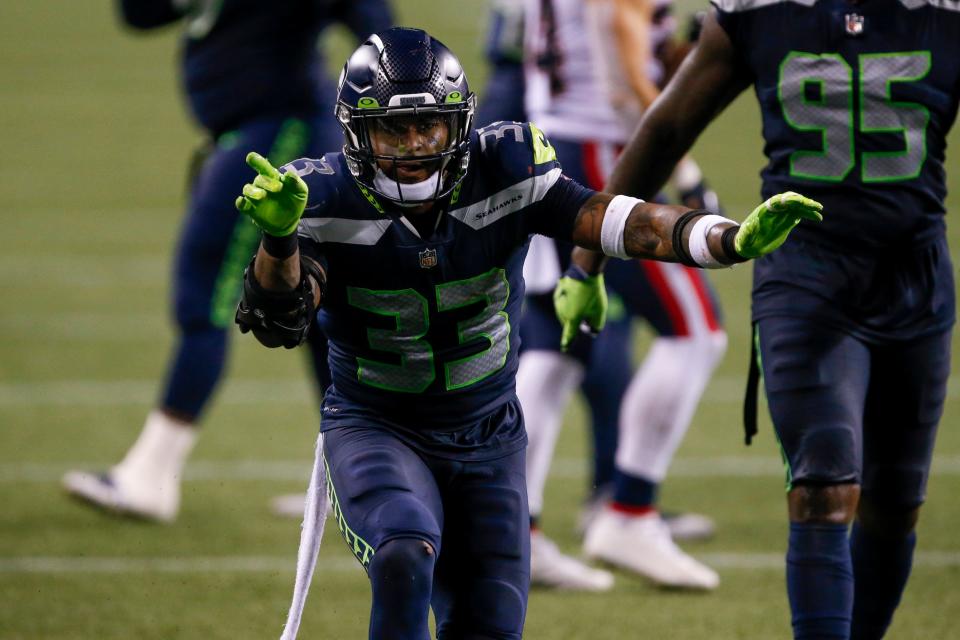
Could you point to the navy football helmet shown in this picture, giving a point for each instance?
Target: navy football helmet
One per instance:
(398, 79)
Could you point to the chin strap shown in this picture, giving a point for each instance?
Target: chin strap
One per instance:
(416, 192)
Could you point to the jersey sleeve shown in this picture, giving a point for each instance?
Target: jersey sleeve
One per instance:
(728, 14)
(558, 210)
(322, 197)
(525, 170)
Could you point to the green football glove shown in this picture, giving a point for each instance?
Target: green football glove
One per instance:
(768, 226)
(274, 202)
(579, 299)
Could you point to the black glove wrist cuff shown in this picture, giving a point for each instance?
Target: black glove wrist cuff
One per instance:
(280, 247)
(729, 248)
(679, 247)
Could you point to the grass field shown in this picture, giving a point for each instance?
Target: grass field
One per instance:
(96, 142)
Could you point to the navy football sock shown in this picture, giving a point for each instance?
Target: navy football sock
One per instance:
(607, 378)
(603, 398)
(633, 493)
(401, 577)
(881, 567)
(819, 581)
(194, 372)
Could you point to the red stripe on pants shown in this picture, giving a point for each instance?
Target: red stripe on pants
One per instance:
(697, 279)
(669, 301)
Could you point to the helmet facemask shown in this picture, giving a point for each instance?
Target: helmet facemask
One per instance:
(412, 152)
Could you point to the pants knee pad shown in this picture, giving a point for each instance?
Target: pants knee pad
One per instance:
(407, 561)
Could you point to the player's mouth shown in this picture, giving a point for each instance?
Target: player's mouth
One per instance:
(411, 172)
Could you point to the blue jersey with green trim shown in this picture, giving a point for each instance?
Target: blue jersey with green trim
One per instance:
(857, 99)
(424, 330)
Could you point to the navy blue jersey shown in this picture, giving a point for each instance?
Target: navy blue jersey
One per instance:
(244, 58)
(424, 330)
(857, 99)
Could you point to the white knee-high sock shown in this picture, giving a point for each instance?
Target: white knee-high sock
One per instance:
(545, 382)
(661, 400)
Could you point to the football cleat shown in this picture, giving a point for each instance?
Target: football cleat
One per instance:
(642, 544)
(550, 568)
(689, 526)
(159, 502)
(146, 484)
(593, 507)
(685, 526)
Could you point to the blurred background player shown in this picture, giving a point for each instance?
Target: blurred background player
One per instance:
(852, 318)
(502, 97)
(254, 79)
(592, 67)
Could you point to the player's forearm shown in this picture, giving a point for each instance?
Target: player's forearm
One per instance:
(623, 227)
(651, 232)
(277, 274)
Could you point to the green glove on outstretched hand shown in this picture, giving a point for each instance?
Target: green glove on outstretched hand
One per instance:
(768, 226)
(274, 201)
(579, 299)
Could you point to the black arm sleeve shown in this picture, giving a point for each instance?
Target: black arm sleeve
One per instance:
(148, 14)
(556, 214)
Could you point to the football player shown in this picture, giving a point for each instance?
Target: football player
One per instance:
(587, 88)
(852, 318)
(411, 244)
(285, 114)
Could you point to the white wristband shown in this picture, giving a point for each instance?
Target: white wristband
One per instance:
(614, 222)
(698, 248)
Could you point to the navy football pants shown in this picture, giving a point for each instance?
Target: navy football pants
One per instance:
(846, 410)
(472, 513)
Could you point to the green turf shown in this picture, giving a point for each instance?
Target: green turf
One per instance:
(96, 142)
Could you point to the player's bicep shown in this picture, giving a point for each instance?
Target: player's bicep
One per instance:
(710, 77)
(588, 223)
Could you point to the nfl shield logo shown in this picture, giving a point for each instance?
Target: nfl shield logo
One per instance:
(854, 24)
(428, 258)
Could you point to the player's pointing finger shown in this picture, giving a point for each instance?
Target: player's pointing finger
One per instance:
(262, 166)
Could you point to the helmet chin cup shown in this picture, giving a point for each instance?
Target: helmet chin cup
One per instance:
(404, 72)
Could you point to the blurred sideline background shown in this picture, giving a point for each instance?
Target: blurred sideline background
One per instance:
(96, 143)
